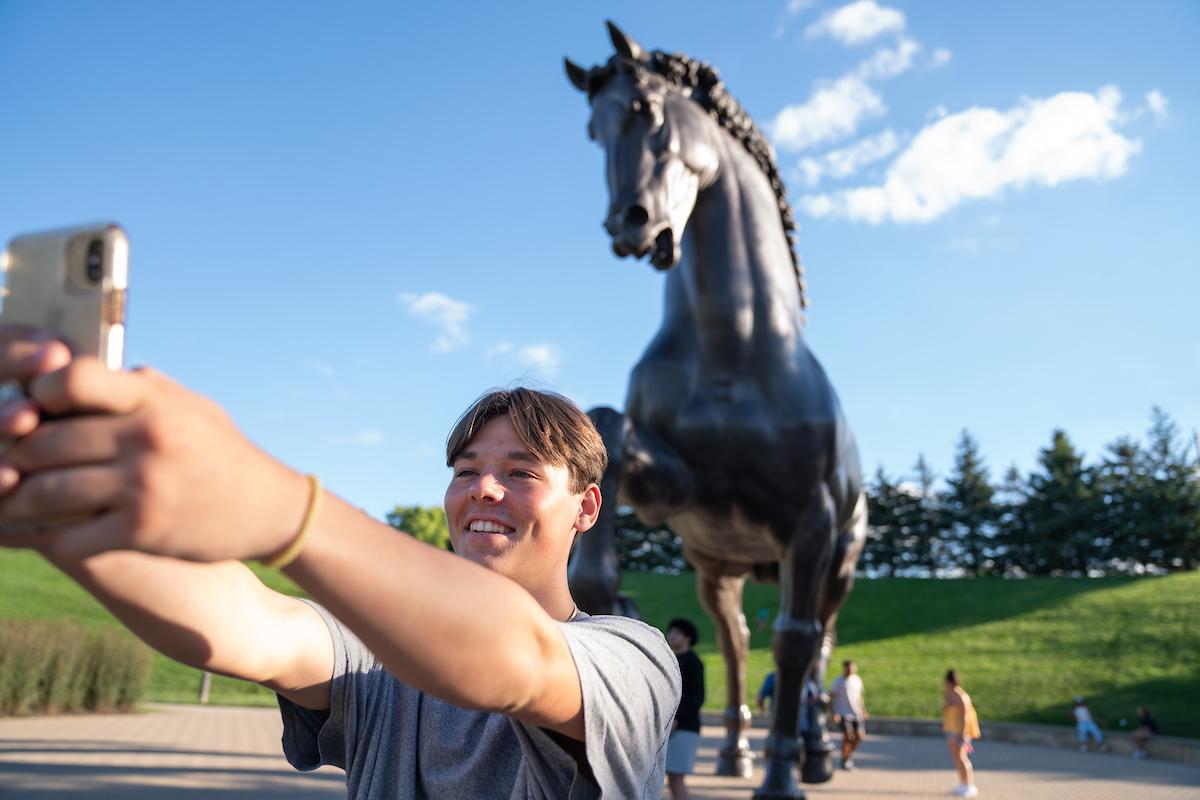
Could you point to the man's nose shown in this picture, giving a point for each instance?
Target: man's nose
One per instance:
(486, 487)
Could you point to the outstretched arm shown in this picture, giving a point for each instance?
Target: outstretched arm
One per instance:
(171, 476)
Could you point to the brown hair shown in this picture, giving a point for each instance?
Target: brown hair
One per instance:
(550, 426)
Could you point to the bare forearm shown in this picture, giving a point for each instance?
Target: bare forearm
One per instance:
(436, 621)
(209, 616)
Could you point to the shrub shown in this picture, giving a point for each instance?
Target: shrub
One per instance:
(52, 667)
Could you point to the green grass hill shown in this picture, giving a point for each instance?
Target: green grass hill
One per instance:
(1023, 648)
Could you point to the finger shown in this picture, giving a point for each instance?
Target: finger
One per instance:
(24, 357)
(68, 442)
(18, 417)
(86, 385)
(62, 494)
(99, 534)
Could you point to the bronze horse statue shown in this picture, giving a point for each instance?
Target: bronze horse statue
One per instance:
(732, 434)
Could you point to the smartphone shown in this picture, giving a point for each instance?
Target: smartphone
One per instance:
(72, 282)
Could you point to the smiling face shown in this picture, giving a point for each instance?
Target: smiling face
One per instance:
(514, 513)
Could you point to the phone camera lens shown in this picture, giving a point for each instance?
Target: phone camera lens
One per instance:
(94, 263)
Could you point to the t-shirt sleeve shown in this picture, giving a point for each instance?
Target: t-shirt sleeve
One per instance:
(631, 689)
(315, 738)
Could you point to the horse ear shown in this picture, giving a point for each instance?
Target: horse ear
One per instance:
(625, 47)
(577, 75)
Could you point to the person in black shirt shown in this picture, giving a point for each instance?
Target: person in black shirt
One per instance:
(1145, 730)
(685, 735)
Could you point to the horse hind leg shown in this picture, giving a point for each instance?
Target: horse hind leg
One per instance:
(594, 574)
(719, 586)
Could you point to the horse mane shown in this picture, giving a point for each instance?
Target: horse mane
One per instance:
(706, 88)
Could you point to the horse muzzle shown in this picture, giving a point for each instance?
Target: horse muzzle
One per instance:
(662, 248)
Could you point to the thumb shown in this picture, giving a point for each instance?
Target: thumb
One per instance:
(86, 385)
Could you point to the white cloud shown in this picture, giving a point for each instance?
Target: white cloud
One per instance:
(794, 7)
(941, 57)
(448, 315)
(857, 22)
(542, 357)
(981, 152)
(833, 112)
(888, 62)
(849, 160)
(1157, 104)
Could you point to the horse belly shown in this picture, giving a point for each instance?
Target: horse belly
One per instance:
(731, 537)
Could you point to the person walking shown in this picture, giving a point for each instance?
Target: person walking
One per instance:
(960, 725)
(1086, 724)
(849, 710)
(685, 734)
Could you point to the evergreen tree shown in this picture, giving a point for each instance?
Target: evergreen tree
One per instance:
(969, 510)
(644, 549)
(1060, 513)
(1120, 488)
(1172, 499)
(926, 522)
(1012, 529)
(884, 552)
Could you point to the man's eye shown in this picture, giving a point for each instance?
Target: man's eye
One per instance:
(465, 472)
(522, 473)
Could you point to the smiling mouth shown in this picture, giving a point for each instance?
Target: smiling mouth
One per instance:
(488, 526)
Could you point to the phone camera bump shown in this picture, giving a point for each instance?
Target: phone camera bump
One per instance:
(94, 261)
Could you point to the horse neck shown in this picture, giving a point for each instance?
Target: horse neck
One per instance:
(735, 282)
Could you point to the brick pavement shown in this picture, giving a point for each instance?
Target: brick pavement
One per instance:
(195, 753)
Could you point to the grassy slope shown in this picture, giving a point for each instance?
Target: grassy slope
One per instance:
(1023, 647)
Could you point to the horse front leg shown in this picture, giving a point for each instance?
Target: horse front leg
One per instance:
(594, 574)
(719, 586)
(797, 641)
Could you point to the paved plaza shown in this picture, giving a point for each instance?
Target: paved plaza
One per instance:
(193, 752)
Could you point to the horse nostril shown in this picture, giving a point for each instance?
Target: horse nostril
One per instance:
(636, 217)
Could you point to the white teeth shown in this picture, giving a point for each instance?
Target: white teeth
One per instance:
(487, 526)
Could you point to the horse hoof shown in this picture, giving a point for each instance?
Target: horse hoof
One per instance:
(780, 794)
(741, 766)
(817, 768)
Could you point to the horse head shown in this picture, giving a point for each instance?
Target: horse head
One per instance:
(659, 151)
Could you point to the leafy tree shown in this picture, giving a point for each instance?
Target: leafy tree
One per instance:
(969, 510)
(1060, 513)
(426, 524)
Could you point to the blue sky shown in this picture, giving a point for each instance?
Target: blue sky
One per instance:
(348, 220)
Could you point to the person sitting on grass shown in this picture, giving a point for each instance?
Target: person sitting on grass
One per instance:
(1146, 729)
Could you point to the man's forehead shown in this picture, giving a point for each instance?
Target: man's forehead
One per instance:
(511, 455)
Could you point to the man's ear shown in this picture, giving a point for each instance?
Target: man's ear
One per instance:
(589, 508)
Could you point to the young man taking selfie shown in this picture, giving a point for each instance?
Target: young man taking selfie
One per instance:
(476, 666)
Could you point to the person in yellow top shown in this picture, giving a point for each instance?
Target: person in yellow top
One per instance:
(961, 725)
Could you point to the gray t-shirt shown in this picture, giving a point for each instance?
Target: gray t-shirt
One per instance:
(400, 744)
